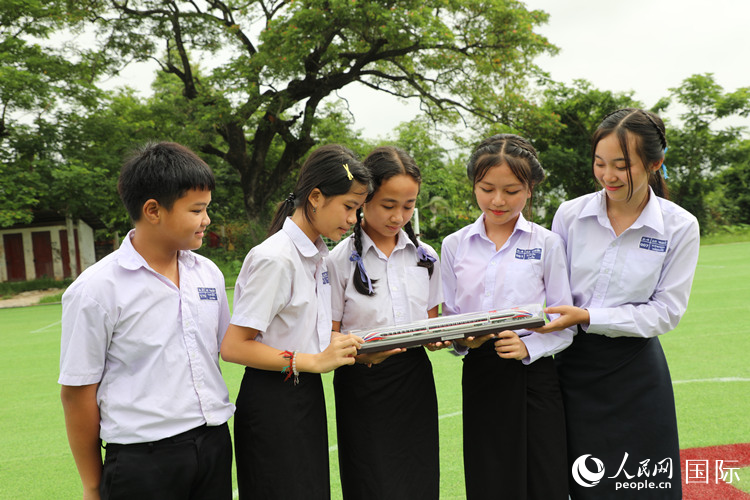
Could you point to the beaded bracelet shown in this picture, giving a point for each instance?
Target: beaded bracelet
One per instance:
(292, 368)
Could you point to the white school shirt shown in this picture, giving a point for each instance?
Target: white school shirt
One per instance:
(636, 284)
(530, 268)
(153, 348)
(404, 291)
(283, 291)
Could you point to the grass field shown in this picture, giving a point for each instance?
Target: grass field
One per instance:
(707, 353)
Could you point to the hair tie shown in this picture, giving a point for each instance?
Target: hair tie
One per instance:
(290, 198)
(664, 166)
(423, 255)
(355, 257)
(348, 173)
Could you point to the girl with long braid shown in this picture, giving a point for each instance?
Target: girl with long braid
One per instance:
(386, 406)
(632, 257)
(513, 421)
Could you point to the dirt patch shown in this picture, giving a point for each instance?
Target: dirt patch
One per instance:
(28, 298)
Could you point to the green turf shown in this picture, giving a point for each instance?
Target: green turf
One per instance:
(711, 342)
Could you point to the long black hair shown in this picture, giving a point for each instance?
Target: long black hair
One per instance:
(332, 169)
(383, 163)
(650, 143)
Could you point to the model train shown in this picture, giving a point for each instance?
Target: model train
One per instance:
(450, 328)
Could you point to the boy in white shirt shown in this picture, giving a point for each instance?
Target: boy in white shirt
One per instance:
(141, 330)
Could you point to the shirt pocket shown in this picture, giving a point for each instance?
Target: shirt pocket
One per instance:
(523, 281)
(208, 319)
(640, 273)
(418, 286)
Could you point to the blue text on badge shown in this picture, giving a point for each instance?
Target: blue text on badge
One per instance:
(653, 244)
(529, 253)
(207, 293)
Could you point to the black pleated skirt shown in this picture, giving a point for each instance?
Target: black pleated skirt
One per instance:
(514, 428)
(281, 437)
(387, 428)
(620, 409)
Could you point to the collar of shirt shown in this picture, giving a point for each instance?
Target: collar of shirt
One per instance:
(478, 229)
(129, 258)
(367, 244)
(306, 248)
(651, 216)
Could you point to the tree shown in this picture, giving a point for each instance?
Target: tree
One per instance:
(36, 83)
(273, 64)
(699, 149)
(566, 154)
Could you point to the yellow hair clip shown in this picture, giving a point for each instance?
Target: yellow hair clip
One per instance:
(348, 173)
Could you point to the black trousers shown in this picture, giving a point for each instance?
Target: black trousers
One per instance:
(514, 428)
(194, 465)
(281, 437)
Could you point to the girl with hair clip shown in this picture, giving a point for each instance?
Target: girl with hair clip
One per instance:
(513, 421)
(386, 406)
(282, 323)
(632, 256)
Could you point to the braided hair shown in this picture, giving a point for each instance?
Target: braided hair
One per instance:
(509, 149)
(383, 163)
(650, 142)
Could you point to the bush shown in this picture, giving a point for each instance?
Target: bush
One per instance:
(9, 288)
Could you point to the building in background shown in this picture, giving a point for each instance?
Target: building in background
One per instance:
(52, 245)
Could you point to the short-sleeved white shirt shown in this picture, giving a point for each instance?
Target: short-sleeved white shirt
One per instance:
(530, 268)
(152, 347)
(404, 291)
(636, 284)
(283, 291)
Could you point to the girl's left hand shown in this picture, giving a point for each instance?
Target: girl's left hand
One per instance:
(436, 346)
(510, 346)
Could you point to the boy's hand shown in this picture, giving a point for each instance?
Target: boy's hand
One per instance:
(569, 316)
(474, 342)
(510, 346)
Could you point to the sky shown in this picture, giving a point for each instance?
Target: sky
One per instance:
(644, 46)
(647, 46)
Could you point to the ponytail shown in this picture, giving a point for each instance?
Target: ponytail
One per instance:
(332, 169)
(283, 210)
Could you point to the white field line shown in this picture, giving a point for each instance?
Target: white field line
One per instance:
(45, 327)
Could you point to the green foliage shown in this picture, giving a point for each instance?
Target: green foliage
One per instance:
(698, 149)
(259, 105)
(9, 288)
(566, 153)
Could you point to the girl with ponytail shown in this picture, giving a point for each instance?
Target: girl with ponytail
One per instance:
(282, 323)
(386, 406)
(632, 257)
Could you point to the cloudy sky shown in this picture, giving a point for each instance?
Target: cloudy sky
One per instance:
(646, 46)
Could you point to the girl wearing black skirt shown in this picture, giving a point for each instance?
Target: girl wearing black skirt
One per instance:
(282, 323)
(386, 407)
(632, 256)
(513, 422)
